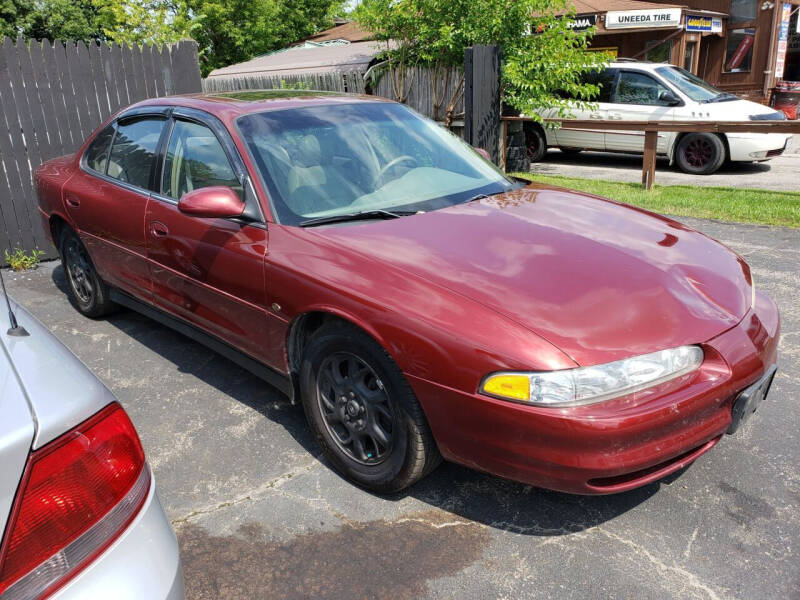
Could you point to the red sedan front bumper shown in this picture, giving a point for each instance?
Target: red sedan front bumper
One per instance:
(611, 446)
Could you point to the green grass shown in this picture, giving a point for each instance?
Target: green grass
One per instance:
(728, 204)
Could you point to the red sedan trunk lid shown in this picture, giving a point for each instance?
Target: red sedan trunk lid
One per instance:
(600, 280)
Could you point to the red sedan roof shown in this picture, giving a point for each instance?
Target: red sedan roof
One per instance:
(229, 105)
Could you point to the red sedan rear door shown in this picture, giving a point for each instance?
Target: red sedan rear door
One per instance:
(107, 199)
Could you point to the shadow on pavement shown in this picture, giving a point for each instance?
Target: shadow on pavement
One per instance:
(478, 497)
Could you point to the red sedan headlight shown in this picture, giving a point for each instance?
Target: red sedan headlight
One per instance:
(586, 385)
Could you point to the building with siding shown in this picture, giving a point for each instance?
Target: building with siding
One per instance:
(745, 47)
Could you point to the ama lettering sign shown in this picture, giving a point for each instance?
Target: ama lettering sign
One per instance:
(627, 19)
(582, 22)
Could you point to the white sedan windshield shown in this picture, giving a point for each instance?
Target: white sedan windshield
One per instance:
(338, 159)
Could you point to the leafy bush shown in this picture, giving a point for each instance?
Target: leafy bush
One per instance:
(20, 260)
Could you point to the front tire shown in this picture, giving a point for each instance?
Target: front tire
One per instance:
(87, 292)
(700, 153)
(362, 411)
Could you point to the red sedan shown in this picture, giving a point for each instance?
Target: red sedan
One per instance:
(418, 302)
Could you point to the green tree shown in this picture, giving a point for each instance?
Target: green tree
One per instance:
(231, 31)
(12, 15)
(58, 19)
(144, 21)
(537, 67)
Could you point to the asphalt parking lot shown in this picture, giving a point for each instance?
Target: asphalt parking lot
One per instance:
(778, 174)
(260, 515)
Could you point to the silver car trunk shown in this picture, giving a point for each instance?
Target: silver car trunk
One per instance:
(16, 429)
(45, 391)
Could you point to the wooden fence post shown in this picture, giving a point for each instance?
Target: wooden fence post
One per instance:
(649, 158)
(482, 99)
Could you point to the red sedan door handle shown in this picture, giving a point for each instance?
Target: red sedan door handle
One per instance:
(158, 229)
(73, 201)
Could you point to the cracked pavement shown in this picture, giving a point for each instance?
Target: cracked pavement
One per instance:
(259, 514)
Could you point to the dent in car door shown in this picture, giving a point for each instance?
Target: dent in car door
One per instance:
(207, 271)
(107, 200)
(637, 99)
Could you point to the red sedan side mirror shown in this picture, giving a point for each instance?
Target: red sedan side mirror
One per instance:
(211, 202)
(483, 153)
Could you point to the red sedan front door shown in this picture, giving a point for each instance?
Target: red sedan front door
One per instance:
(207, 271)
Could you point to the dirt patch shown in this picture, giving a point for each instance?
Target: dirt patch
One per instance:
(374, 559)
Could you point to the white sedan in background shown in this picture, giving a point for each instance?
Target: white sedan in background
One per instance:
(640, 91)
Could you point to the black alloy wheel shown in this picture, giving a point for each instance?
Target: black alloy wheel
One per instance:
(87, 292)
(362, 411)
(355, 407)
(79, 271)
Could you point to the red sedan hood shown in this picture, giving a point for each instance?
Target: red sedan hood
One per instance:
(600, 280)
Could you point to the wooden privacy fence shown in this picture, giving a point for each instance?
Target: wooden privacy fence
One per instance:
(331, 82)
(53, 95)
(436, 93)
(651, 129)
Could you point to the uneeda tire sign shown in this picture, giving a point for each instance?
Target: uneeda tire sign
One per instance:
(643, 19)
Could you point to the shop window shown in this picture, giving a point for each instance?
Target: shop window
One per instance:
(739, 53)
(659, 52)
(743, 11)
(689, 55)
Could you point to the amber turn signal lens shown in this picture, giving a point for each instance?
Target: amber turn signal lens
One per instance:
(514, 387)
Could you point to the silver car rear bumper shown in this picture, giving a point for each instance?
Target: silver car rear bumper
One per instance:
(143, 563)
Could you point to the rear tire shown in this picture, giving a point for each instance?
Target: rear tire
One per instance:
(700, 153)
(87, 292)
(535, 142)
(363, 412)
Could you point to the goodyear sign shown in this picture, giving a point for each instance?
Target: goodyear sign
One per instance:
(697, 23)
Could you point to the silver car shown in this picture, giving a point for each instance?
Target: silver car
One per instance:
(78, 505)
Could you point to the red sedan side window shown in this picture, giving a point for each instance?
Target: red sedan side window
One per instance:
(133, 151)
(97, 152)
(195, 159)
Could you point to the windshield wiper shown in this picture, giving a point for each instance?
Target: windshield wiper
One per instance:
(724, 97)
(358, 216)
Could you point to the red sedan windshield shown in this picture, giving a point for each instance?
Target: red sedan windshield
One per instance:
(340, 159)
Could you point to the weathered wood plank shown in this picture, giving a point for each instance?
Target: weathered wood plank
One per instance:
(83, 87)
(24, 139)
(185, 69)
(138, 83)
(9, 174)
(59, 117)
(153, 70)
(12, 148)
(63, 83)
(99, 79)
(54, 146)
(115, 76)
(39, 129)
(92, 90)
(128, 76)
